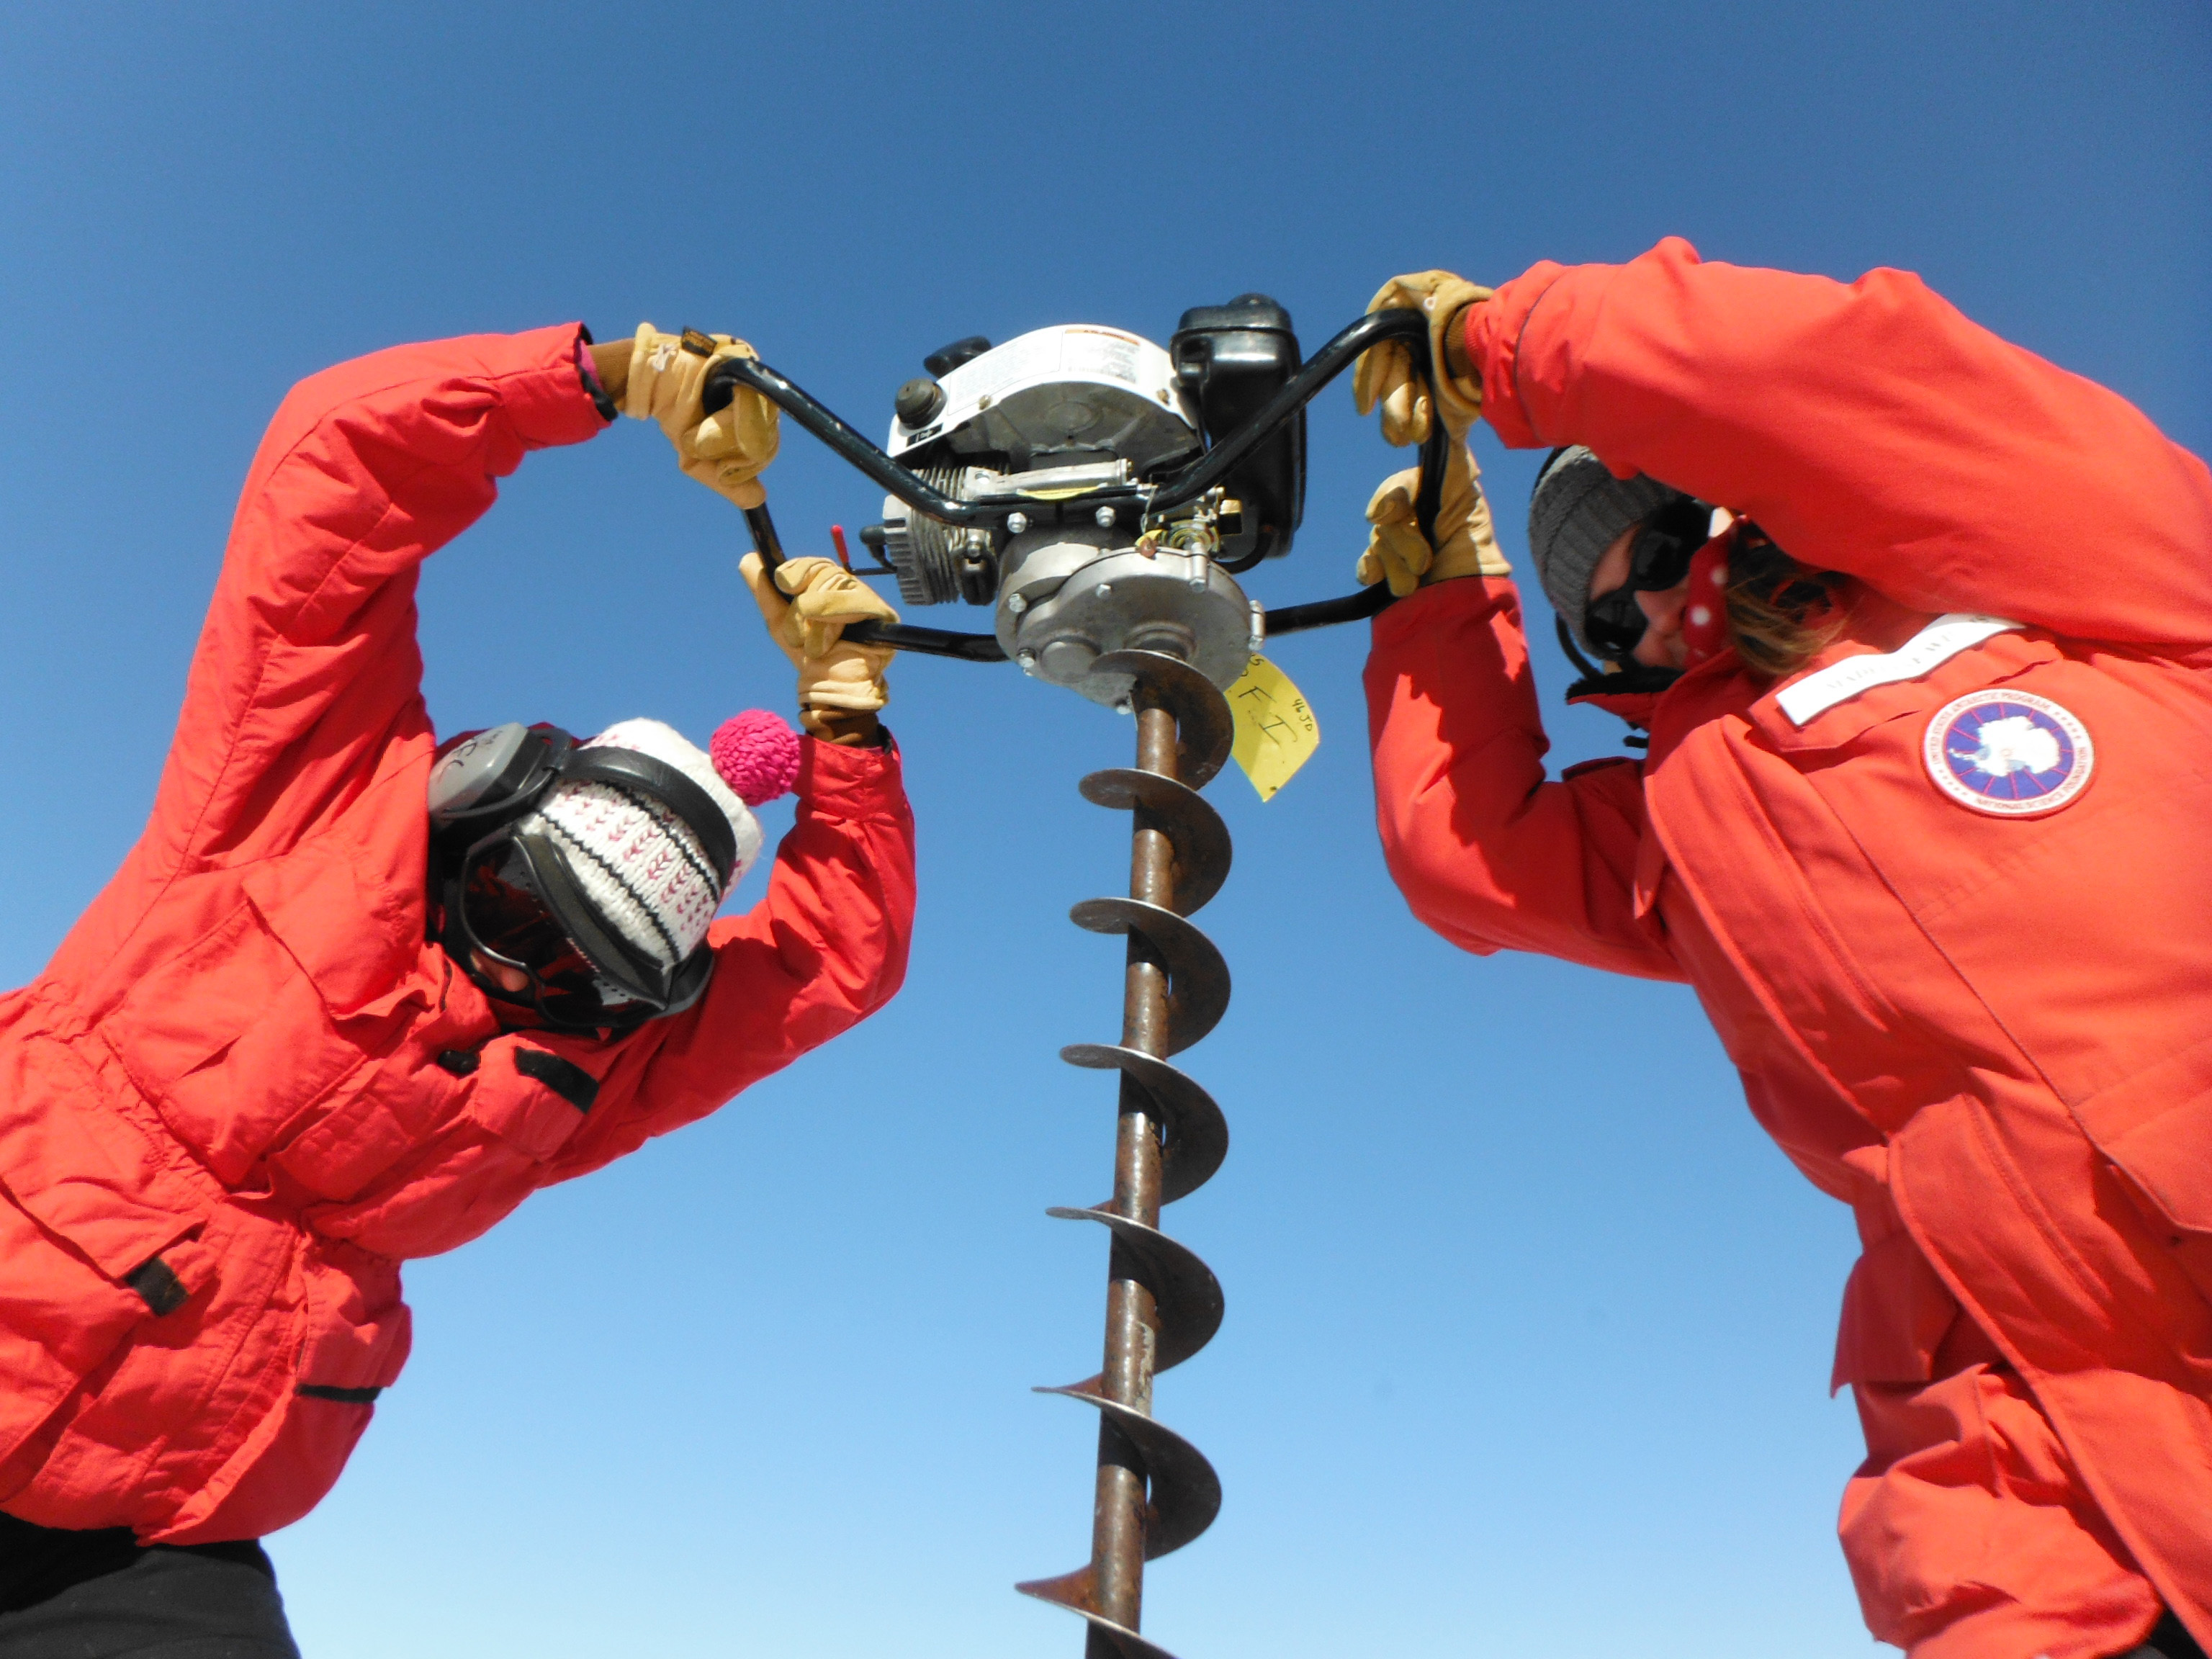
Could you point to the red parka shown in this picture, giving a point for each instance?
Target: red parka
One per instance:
(246, 1087)
(1991, 1035)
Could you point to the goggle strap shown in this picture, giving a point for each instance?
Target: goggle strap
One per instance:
(691, 982)
(1591, 670)
(1628, 680)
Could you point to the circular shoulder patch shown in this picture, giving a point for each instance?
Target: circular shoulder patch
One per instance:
(2009, 753)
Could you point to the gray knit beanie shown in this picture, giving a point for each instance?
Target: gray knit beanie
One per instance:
(1574, 512)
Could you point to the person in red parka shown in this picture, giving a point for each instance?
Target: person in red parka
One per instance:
(1924, 819)
(306, 1033)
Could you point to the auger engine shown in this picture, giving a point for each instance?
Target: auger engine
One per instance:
(1059, 428)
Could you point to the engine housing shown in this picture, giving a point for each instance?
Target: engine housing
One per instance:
(1062, 427)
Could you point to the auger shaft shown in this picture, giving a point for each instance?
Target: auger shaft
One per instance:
(1117, 1538)
(1155, 1492)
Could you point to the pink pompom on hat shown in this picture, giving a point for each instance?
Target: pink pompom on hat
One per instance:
(642, 869)
(757, 755)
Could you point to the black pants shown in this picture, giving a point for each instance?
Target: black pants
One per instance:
(2168, 1641)
(99, 1596)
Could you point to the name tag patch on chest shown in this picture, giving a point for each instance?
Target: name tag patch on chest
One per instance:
(1935, 644)
(2009, 753)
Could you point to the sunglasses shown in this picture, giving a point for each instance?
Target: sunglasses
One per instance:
(1658, 559)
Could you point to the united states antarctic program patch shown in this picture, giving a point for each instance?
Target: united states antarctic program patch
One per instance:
(2009, 753)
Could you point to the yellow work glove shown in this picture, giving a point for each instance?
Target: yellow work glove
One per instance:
(1396, 550)
(725, 452)
(834, 673)
(1385, 373)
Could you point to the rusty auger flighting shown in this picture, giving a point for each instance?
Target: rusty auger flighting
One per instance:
(1103, 495)
(1156, 1491)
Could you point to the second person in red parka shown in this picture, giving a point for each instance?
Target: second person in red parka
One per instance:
(1925, 819)
(348, 1002)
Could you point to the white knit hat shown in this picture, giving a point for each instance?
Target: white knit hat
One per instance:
(644, 872)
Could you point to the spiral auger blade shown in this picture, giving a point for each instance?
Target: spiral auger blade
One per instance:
(1156, 1491)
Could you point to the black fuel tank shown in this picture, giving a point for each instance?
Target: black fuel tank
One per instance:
(1231, 359)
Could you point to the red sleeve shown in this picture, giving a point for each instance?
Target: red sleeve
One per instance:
(307, 664)
(826, 948)
(1485, 852)
(1869, 428)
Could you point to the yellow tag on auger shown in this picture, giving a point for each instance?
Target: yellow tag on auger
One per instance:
(1276, 732)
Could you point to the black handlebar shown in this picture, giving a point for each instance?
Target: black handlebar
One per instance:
(1408, 326)
(727, 376)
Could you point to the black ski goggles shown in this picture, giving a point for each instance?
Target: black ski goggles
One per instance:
(1658, 559)
(511, 901)
(498, 915)
(500, 921)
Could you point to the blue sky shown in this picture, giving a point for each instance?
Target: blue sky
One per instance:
(1528, 1326)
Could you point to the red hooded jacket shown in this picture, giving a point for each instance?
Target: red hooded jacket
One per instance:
(1988, 1032)
(247, 1087)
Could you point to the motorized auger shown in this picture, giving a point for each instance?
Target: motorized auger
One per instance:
(1103, 495)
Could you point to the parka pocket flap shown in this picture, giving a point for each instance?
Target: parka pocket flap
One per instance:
(2167, 1156)
(353, 1136)
(1897, 1311)
(82, 1172)
(2157, 1126)
(2164, 1166)
(189, 1009)
(360, 1332)
(341, 930)
(229, 1040)
(114, 1229)
(60, 1316)
(529, 1096)
(180, 1271)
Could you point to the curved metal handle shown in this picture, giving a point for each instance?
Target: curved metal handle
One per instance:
(727, 376)
(927, 641)
(1323, 613)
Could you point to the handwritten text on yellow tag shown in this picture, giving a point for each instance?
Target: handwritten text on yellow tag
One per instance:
(1276, 732)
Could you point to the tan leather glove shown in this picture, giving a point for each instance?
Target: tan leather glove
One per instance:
(1395, 549)
(726, 451)
(834, 673)
(1385, 373)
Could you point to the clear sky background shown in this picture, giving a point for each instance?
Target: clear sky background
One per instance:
(1528, 1327)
